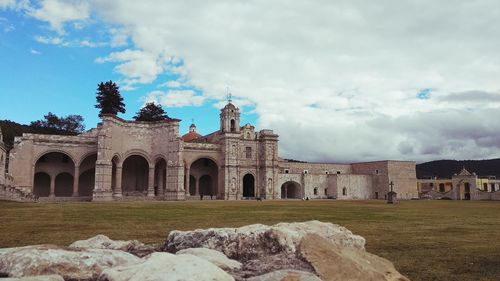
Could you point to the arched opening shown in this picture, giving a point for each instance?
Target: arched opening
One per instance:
(192, 186)
(160, 182)
(248, 186)
(64, 185)
(291, 189)
(54, 164)
(86, 180)
(441, 187)
(135, 172)
(233, 126)
(205, 173)
(206, 185)
(41, 186)
(466, 191)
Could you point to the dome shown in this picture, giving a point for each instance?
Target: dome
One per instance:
(190, 136)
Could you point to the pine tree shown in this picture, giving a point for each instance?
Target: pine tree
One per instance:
(109, 99)
(151, 112)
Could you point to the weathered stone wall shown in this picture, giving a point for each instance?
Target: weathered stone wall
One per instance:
(353, 187)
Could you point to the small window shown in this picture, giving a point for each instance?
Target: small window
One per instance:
(248, 152)
(376, 171)
(344, 191)
(248, 135)
(287, 171)
(441, 187)
(492, 187)
(315, 191)
(376, 195)
(485, 186)
(326, 173)
(326, 191)
(233, 126)
(306, 171)
(338, 172)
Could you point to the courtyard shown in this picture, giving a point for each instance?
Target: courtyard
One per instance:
(426, 240)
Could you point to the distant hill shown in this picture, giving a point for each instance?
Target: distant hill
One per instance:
(447, 168)
(11, 129)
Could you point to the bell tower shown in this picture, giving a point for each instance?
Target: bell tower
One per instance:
(230, 119)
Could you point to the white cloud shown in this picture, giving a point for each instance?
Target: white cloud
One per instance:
(51, 40)
(338, 80)
(175, 98)
(35, 52)
(7, 4)
(58, 12)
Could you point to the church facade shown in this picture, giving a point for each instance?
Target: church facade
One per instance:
(133, 160)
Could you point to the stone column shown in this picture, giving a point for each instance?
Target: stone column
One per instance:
(151, 182)
(76, 179)
(186, 181)
(197, 192)
(52, 186)
(118, 182)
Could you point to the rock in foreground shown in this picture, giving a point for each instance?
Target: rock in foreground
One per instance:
(70, 264)
(249, 242)
(103, 242)
(167, 267)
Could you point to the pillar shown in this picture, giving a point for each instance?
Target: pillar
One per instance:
(76, 179)
(151, 182)
(197, 192)
(52, 186)
(118, 182)
(186, 180)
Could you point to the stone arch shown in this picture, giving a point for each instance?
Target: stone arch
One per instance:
(85, 156)
(248, 185)
(205, 166)
(63, 185)
(138, 152)
(41, 186)
(233, 125)
(53, 163)
(135, 175)
(160, 176)
(291, 189)
(49, 151)
(86, 178)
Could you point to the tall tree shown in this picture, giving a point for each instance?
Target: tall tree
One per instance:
(151, 112)
(52, 124)
(109, 99)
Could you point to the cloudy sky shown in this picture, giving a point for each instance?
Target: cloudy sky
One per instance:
(339, 81)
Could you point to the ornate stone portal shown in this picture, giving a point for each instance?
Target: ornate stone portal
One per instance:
(133, 160)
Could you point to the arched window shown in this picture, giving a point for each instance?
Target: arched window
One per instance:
(233, 127)
(315, 191)
(344, 191)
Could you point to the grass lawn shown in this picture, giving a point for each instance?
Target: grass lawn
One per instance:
(426, 240)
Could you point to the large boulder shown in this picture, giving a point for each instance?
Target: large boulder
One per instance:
(166, 266)
(103, 242)
(70, 264)
(334, 263)
(286, 275)
(213, 256)
(249, 242)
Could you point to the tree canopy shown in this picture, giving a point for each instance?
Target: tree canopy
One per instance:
(68, 125)
(151, 112)
(109, 99)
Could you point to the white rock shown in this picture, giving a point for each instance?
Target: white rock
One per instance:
(251, 241)
(286, 274)
(213, 256)
(36, 278)
(103, 242)
(165, 266)
(70, 264)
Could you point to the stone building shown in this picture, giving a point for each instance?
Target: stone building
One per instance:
(462, 186)
(133, 160)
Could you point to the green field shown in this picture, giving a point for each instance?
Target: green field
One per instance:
(426, 240)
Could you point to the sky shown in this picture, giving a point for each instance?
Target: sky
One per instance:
(339, 81)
